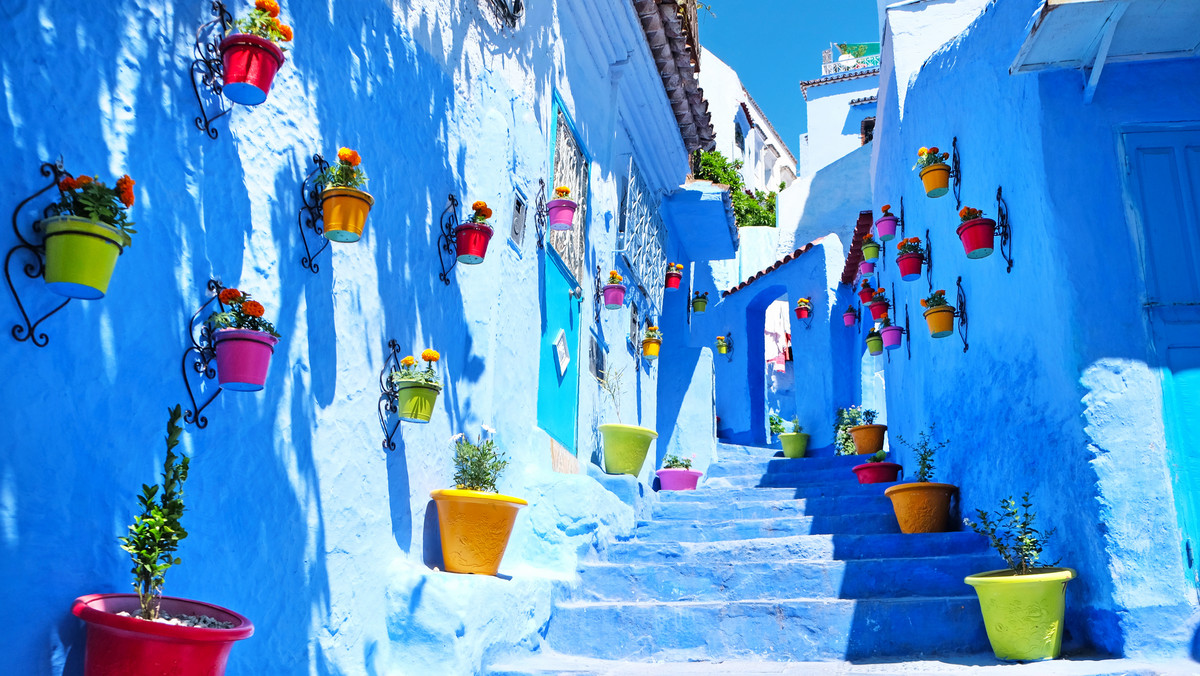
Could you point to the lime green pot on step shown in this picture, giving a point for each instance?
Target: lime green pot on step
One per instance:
(795, 444)
(81, 255)
(1023, 614)
(625, 448)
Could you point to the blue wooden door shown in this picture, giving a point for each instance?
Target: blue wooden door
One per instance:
(1164, 180)
(558, 364)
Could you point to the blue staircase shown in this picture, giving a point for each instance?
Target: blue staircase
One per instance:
(775, 559)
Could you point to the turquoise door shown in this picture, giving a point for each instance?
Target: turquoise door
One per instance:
(1164, 181)
(558, 364)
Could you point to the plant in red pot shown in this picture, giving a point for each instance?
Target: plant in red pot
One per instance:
(416, 389)
(677, 474)
(561, 209)
(344, 202)
(922, 506)
(472, 236)
(251, 56)
(939, 314)
(699, 301)
(674, 275)
(910, 258)
(865, 292)
(88, 231)
(876, 471)
(935, 173)
(244, 341)
(879, 303)
(614, 291)
(978, 234)
(803, 308)
(147, 633)
(885, 226)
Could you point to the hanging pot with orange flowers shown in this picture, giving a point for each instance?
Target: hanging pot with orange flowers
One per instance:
(910, 258)
(850, 316)
(885, 226)
(614, 291)
(344, 201)
(879, 303)
(562, 209)
(976, 232)
(890, 333)
(416, 388)
(244, 341)
(674, 275)
(472, 236)
(874, 342)
(865, 292)
(935, 173)
(804, 308)
(89, 230)
(251, 55)
(939, 314)
(870, 248)
(651, 342)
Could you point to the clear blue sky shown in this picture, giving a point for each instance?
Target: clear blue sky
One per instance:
(774, 44)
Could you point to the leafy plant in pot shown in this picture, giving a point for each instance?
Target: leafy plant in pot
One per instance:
(1023, 605)
(922, 506)
(978, 234)
(250, 56)
(935, 173)
(848, 419)
(417, 389)
(561, 209)
(243, 340)
(89, 230)
(625, 446)
(939, 314)
(344, 201)
(876, 471)
(795, 443)
(868, 437)
(474, 518)
(699, 301)
(472, 236)
(673, 276)
(874, 342)
(651, 342)
(677, 474)
(910, 258)
(146, 632)
(885, 226)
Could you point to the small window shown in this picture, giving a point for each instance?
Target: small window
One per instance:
(739, 137)
(868, 130)
(517, 234)
(634, 325)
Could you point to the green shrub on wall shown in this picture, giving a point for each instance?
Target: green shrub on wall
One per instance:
(749, 210)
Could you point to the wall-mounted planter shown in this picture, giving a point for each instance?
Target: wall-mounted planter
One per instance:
(885, 228)
(625, 447)
(120, 644)
(874, 344)
(870, 251)
(673, 279)
(344, 213)
(722, 348)
(475, 528)
(471, 242)
(866, 268)
(978, 237)
(865, 295)
(940, 320)
(891, 336)
(803, 312)
(614, 296)
(250, 64)
(795, 444)
(1023, 614)
(650, 348)
(878, 309)
(678, 479)
(562, 214)
(415, 400)
(243, 357)
(81, 255)
(936, 178)
(868, 439)
(699, 304)
(910, 266)
(922, 507)
(877, 472)
(849, 317)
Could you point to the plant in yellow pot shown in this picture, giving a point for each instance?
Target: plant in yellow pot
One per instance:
(416, 389)
(475, 520)
(922, 506)
(651, 342)
(935, 173)
(89, 230)
(344, 202)
(1023, 605)
(625, 446)
(939, 314)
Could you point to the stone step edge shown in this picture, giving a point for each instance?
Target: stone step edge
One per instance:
(971, 598)
(588, 565)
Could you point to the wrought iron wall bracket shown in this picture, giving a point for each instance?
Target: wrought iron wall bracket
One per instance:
(960, 311)
(807, 322)
(389, 396)
(928, 260)
(901, 221)
(541, 214)
(956, 173)
(1003, 228)
(200, 357)
(448, 238)
(729, 346)
(33, 248)
(907, 333)
(597, 297)
(208, 70)
(310, 216)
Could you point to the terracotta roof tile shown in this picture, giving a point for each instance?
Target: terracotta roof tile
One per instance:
(862, 227)
(774, 266)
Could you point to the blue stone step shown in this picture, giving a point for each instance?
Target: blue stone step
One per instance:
(777, 629)
(736, 580)
(784, 479)
(761, 466)
(798, 547)
(735, 452)
(742, 529)
(764, 509)
(718, 494)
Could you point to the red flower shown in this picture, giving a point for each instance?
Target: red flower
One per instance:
(125, 188)
(269, 6)
(252, 308)
(67, 184)
(227, 296)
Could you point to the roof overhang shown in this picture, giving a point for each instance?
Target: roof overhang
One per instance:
(701, 214)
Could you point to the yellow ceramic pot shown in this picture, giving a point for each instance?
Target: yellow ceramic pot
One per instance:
(868, 439)
(650, 348)
(936, 178)
(475, 527)
(1023, 614)
(344, 213)
(922, 506)
(940, 320)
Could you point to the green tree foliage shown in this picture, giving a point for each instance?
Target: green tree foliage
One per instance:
(749, 209)
(477, 467)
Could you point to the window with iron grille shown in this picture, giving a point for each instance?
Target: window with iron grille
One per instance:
(571, 169)
(642, 239)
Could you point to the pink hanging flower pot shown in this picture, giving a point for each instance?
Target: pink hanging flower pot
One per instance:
(885, 227)
(562, 209)
(848, 317)
(892, 336)
(250, 63)
(866, 268)
(614, 296)
(977, 233)
(243, 341)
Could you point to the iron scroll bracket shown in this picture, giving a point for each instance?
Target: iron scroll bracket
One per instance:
(311, 214)
(729, 346)
(389, 396)
(208, 70)
(200, 357)
(960, 311)
(901, 221)
(597, 296)
(447, 238)
(1003, 228)
(928, 260)
(907, 334)
(541, 214)
(34, 248)
(956, 173)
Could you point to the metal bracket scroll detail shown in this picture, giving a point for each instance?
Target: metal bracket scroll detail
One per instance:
(447, 238)
(388, 396)
(960, 311)
(208, 70)
(1004, 228)
(200, 357)
(34, 247)
(311, 214)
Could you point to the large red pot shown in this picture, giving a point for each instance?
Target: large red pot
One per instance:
(803, 312)
(471, 242)
(865, 295)
(877, 472)
(129, 646)
(878, 309)
(673, 279)
(910, 266)
(978, 237)
(250, 64)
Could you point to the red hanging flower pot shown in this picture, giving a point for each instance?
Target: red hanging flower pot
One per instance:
(978, 237)
(910, 266)
(877, 472)
(865, 295)
(673, 279)
(471, 242)
(803, 313)
(878, 309)
(250, 64)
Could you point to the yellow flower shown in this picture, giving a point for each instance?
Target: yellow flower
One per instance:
(408, 361)
(923, 152)
(430, 355)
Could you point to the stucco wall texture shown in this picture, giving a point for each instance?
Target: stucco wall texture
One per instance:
(296, 517)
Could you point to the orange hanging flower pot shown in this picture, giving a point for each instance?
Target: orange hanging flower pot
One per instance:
(922, 507)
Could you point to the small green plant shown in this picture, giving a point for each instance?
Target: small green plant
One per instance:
(477, 466)
(675, 462)
(750, 209)
(652, 333)
(610, 384)
(408, 371)
(796, 428)
(935, 299)
(878, 456)
(776, 424)
(925, 448)
(155, 534)
(927, 157)
(843, 441)
(1013, 535)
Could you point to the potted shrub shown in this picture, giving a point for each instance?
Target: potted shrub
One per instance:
(795, 443)
(876, 471)
(651, 341)
(868, 437)
(1022, 605)
(885, 225)
(865, 292)
(939, 314)
(978, 234)
(849, 316)
(879, 303)
(89, 230)
(344, 202)
(146, 632)
(935, 173)
(251, 57)
(890, 334)
(700, 301)
(922, 506)
(625, 446)
(803, 308)
(677, 474)
(844, 421)
(416, 389)
(910, 258)
(722, 345)
(614, 291)
(475, 520)
(674, 275)
(243, 340)
(874, 342)
(471, 237)
(870, 248)
(562, 209)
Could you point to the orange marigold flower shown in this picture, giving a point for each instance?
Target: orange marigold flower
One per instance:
(252, 308)
(430, 355)
(84, 180)
(939, 292)
(924, 303)
(486, 213)
(408, 361)
(923, 151)
(125, 187)
(67, 184)
(227, 296)
(933, 150)
(348, 156)
(286, 31)
(269, 6)
(479, 205)
(562, 191)
(887, 207)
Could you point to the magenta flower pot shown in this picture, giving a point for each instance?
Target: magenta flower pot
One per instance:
(250, 64)
(891, 337)
(866, 268)
(910, 266)
(885, 228)
(848, 318)
(678, 479)
(877, 472)
(471, 242)
(978, 237)
(614, 296)
(242, 358)
(562, 214)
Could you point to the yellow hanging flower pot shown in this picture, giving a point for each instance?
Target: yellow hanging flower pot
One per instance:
(344, 205)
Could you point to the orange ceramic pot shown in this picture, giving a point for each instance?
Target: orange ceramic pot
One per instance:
(868, 439)
(475, 527)
(940, 320)
(344, 212)
(936, 178)
(922, 507)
